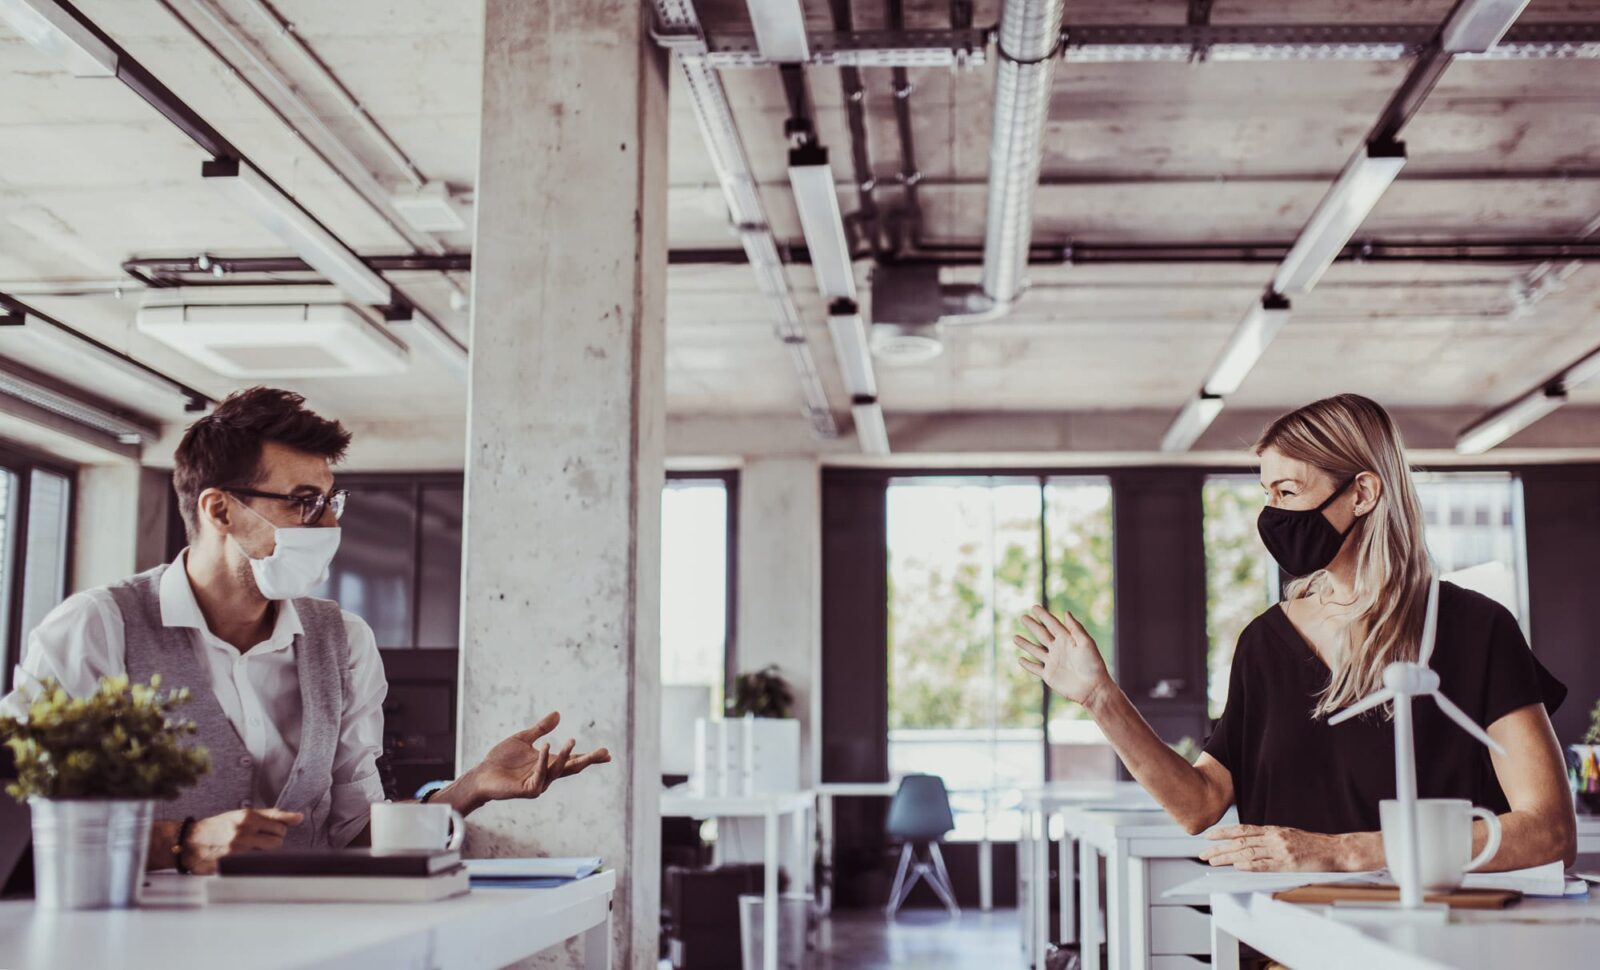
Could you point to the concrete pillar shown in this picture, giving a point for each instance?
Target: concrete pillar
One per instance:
(780, 585)
(564, 439)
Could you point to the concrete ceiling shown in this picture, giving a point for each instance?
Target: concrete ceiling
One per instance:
(1136, 153)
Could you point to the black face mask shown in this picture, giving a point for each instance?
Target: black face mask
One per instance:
(1302, 540)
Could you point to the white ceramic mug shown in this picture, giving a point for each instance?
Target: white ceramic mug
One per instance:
(1444, 840)
(410, 827)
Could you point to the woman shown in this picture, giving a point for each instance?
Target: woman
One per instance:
(1342, 515)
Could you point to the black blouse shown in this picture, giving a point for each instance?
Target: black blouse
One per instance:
(1291, 769)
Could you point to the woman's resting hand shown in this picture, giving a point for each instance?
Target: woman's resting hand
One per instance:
(1274, 848)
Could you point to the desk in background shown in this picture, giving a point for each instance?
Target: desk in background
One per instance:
(1039, 805)
(1145, 854)
(176, 930)
(771, 809)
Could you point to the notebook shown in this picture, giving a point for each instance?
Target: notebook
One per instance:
(339, 862)
(339, 889)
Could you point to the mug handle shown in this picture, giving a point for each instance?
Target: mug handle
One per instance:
(458, 831)
(1490, 845)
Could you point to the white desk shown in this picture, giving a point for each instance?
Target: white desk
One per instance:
(1039, 805)
(1146, 853)
(175, 930)
(771, 809)
(826, 793)
(1533, 933)
(1589, 833)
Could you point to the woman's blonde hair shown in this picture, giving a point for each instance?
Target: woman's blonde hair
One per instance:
(1342, 436)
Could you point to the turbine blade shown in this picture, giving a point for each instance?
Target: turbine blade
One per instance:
(1467, 724)
(1365, 704)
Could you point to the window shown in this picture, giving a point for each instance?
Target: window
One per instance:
(35, 551)
(1475, 533)
(1079, 577)
(399, 561)
(1241, 578)
(698, 513)
(967, 557)
(696, 529)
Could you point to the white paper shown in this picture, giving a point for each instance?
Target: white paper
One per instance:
(1545, 880)
(1230, 880)
(532, 868)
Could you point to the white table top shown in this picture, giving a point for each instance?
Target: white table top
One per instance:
(1062, 793)
(861, 789)
(681, 802)
(1534, 933)
(176, 930)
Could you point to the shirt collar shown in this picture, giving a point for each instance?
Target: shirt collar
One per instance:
(179, 608)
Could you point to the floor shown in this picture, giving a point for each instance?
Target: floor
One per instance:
(925, 939)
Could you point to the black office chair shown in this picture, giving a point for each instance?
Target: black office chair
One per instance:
(920, 816)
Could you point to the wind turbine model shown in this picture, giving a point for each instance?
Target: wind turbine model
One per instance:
(1403, 680)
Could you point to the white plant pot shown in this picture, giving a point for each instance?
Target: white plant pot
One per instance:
(89, 853)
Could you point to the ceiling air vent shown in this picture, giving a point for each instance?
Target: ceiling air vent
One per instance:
(294, 340)
(906, 307)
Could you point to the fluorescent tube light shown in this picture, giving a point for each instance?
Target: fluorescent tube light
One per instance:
(284, 218)
(1248, 343)
(64, 406)
(16, 328)
(1475, 26)
(1340, 213)
(1191, 422)
(57, 33)
(851, 345)
(1586, 369)
(811, 177)
(1509, 420)
(780, 27)
(870, 431)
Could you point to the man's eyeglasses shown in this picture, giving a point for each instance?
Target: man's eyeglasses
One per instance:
(311, 506)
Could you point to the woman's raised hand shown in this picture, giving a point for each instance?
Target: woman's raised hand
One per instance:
(1063, 655)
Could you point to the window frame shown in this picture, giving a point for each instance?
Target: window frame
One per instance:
(22, 461)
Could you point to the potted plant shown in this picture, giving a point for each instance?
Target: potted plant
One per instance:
(762, 693)
(90, 769)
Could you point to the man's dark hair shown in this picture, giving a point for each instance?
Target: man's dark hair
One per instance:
(223, 448)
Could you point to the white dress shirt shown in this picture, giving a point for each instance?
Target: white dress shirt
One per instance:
(82, 640)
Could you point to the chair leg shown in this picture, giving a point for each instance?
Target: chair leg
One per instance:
(897, 895)
(940, 881)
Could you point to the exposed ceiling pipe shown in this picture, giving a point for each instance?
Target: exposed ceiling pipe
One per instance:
(157, 271)
(1027, 44)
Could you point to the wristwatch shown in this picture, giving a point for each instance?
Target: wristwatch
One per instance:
(181, 844)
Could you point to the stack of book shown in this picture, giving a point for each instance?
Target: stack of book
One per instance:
(339, 876)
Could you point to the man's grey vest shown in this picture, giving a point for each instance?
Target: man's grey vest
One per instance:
(322, 661)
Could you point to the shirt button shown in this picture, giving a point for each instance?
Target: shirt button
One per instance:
(244, 761)
(245, 804)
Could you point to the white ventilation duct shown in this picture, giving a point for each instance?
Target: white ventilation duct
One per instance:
(1027, 46)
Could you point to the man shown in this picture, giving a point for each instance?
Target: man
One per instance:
(286, 690)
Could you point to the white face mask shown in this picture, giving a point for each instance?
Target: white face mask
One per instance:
(298, 564)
